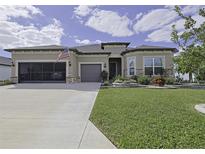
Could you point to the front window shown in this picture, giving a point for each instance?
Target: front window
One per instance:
(131, 61)
(153, 65)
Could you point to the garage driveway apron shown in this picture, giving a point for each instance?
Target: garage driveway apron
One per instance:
(45, 115)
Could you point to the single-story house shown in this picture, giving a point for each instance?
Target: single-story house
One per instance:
(85, 63)
(5, 68)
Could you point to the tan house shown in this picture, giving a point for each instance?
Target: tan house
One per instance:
(85, 63)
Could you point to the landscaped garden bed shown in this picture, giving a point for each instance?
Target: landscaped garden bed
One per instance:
(5, 82)
(158, 82)
(150, 118)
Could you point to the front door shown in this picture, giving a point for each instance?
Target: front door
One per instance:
(112, 70)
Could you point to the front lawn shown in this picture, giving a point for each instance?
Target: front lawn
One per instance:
(150, 118)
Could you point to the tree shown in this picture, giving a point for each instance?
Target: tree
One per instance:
(192, 42)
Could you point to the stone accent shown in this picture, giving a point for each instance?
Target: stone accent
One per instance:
(72, 79)
(14, 79)
(200, 108)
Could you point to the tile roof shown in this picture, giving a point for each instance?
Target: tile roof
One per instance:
(148, 47)
(95, 48)
(38, 48)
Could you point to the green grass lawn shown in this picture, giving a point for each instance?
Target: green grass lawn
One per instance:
(150, 118)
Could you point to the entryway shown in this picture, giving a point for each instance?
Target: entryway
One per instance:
(114, 67)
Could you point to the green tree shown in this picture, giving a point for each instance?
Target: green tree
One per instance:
(192, 42)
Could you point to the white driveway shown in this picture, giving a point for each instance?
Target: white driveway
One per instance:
(45, 115)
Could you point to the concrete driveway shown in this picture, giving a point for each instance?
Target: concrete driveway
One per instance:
(45, 115)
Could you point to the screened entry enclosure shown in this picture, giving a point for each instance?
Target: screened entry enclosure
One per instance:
(42, 72)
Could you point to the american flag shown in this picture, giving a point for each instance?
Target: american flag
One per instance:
(63, 54)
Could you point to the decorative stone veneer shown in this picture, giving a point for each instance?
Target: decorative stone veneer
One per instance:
(72, 79)
(14, 79)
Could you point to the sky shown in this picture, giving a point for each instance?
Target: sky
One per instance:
(69, 25)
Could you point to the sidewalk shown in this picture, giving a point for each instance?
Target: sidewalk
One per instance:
(94, 139)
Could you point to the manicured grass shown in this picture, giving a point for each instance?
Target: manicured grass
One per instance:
(150, 118)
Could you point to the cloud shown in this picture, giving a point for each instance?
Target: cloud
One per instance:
(164, 34)
(138, 16)
(86, 41)
(110, 22)
(13, 34)
(191, 9)
(7, 11)
(83, 10)
(154, 19)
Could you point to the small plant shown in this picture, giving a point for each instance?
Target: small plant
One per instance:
(134, 77)
(118, 81)
(104, 75)
(179, 79)
(129, 81)
(106, 83)
(160, 81)
(143, 80)
(119, 77)
(170, 81)
(5, 82)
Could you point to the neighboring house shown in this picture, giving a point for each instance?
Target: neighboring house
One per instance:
(5, 68)
(85, 63)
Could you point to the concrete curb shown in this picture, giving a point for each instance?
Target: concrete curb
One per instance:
(200, 108)
(94, 139)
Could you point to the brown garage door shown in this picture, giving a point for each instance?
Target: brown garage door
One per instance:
(90, 72)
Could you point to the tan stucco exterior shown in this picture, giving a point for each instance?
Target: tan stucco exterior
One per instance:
(75, 60)
(167, 55)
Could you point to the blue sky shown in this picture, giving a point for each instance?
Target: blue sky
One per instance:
(78, 25)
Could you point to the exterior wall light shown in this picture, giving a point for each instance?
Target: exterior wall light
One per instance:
(69, 63)
(104, 65)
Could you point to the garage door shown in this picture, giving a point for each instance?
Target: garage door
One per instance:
(42, 72)
(90, 72)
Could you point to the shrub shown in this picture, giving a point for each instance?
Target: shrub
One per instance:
(104, 75)
(134, 77)
(170, 80)
(179, 79)
(143, 80)
(119, 77)
(5, 82)
(106, 83)
(158, 80)
(118, 81)
(129, 81)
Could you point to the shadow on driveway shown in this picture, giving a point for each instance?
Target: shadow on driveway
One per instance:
(92, 86)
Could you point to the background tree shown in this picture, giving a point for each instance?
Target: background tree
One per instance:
(192, 42)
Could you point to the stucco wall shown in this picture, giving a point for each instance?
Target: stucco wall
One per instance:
(30, 56)
(5, 72)
(73, 67)
(75, 60)
(139, 59)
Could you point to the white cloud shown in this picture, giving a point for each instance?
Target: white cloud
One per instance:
(160, 35)
(191, 9)
(164, 33)
(86, 41)
(7, 11)
(83, 10)
(110, 22)
(154, 19)
(138, 16)
(13, 34)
